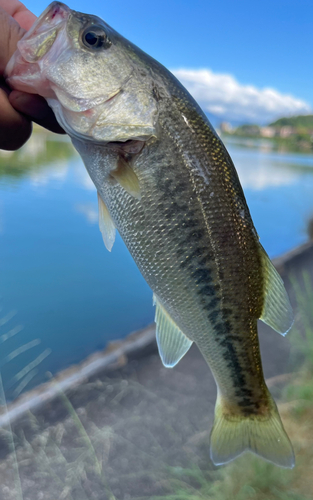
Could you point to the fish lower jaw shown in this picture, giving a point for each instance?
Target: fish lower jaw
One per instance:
(28, 86)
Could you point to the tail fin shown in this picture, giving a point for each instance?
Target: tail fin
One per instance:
(263, 435)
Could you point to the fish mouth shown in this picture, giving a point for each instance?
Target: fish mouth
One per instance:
(23, 67)
(48, 23)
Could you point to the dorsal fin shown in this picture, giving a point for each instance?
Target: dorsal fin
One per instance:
(172, 342)
(277, 311)
(106, 225)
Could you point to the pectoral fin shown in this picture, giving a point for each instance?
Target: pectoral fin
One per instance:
(127, 178)
(172, 342)
(277, 311)
(106, 225)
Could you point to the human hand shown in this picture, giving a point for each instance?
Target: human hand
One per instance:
(18, 109)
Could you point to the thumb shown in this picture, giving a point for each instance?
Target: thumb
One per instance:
(10, 34)
(24, 107)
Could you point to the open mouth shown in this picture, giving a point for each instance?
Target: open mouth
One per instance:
(39, 39)
(23, 70)
(54, 14)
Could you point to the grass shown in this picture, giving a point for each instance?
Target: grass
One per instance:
(76, 459)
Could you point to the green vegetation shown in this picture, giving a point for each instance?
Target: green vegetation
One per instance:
(301, 389)
(247, 131)
(286, 134)
(37, 154)
(300, 121)
(299, 141)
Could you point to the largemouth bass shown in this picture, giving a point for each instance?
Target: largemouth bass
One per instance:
(166, 182)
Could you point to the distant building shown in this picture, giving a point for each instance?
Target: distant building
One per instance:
(286, 131)
(226, 127)
(267, 131)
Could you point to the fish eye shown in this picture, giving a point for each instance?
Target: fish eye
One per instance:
(94, 37)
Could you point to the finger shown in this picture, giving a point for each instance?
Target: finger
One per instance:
(15, 129)
(36, 109)
(10, 34)
(19, 12)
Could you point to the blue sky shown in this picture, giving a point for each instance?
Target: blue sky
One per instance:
(244, 46)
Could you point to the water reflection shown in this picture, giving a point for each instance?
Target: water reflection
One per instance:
(90, 211)
(261, 169)
(42, 150)
(278, 188)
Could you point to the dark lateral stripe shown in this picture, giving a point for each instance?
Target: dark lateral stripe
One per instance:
(188, 223)
(229, 354)
(201, 252)
(247, 404)
(207, 290)
(214, 302)
(195, 235)
(213, 316)
(243, 391)
(202, 275)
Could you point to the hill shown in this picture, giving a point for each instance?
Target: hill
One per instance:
(301, 121)
(294, 133)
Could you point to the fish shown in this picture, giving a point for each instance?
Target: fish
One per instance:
(166, 182)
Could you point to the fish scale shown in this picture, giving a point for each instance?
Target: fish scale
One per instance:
(167, 183)
(151, 214)
(214, 296)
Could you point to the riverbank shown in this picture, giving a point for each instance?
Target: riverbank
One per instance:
(293, 133)
(115, 425)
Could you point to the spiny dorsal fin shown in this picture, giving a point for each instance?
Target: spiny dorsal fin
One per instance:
(172, 342)
(277, 311)
(127, 178)
(106, 225)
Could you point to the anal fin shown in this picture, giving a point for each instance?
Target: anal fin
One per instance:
(172, 342)
(277, 311)
(106, 225)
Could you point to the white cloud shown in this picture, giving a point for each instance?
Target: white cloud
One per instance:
(224, 96)
(83, 177)
(56, 171)
(89, 210)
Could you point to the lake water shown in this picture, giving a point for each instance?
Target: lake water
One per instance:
(62, 294)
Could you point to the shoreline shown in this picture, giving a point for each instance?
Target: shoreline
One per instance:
(115, 355)
(111, 358)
